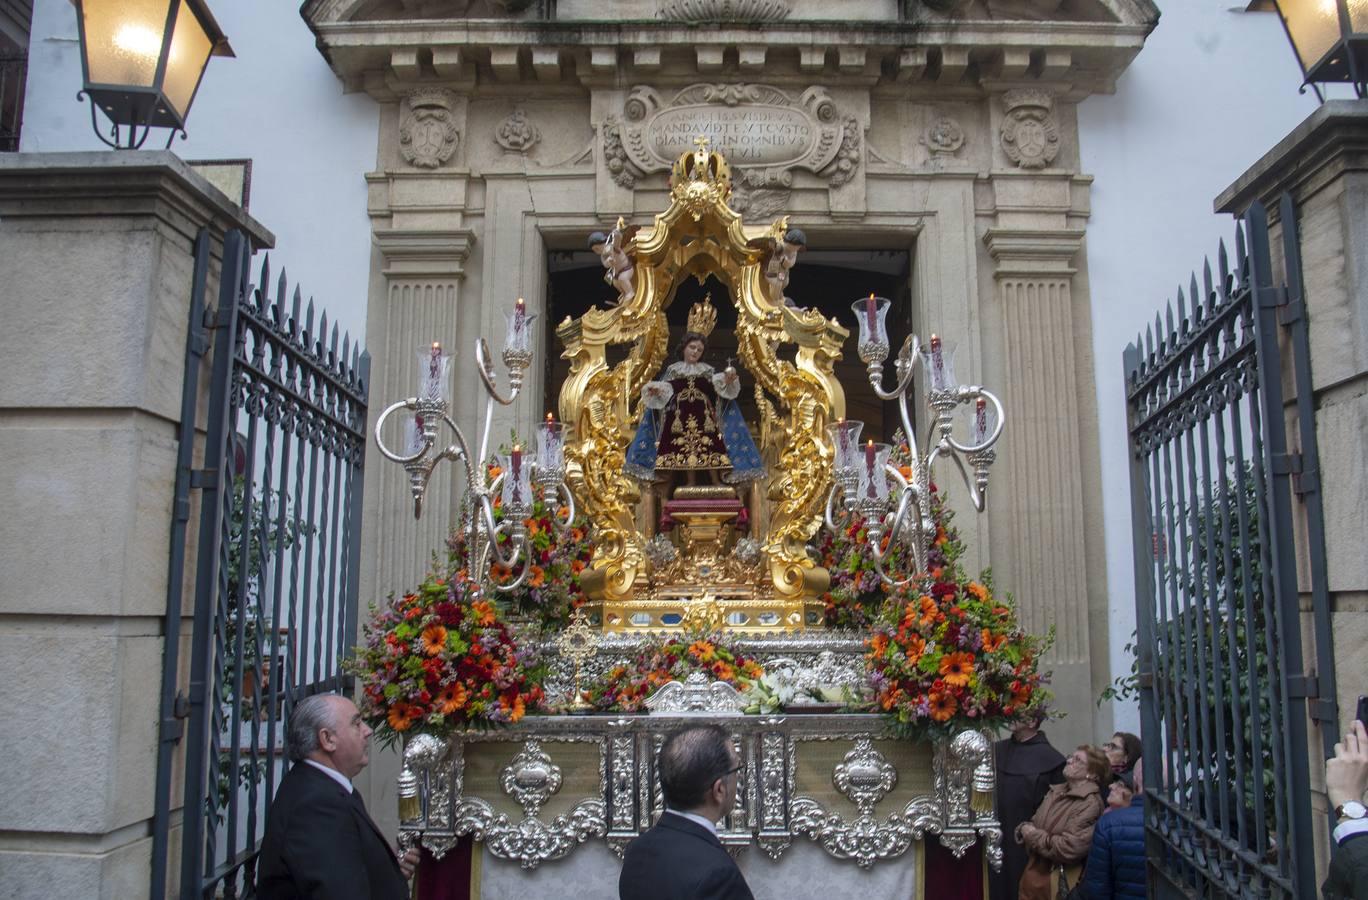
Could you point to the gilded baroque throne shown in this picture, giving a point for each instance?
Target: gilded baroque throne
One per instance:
(777, 585)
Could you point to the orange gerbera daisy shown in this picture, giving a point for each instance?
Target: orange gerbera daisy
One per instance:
(978, 590)
(500, 573)
(536, 576)
(519, 709)
(891, 698)
(878, 644)
(991, 642)
(956, 668)
(401, 716)
(723, 671)
(434, 639)
(916, 646)
(703, 651)
(451, 698)
(943, 706)
(484, 613)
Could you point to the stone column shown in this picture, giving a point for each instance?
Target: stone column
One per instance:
(1323, 163)
(96, 257)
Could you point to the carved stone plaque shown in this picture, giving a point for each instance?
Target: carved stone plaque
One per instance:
(759, 128)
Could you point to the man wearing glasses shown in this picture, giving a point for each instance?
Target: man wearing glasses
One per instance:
(681, 857)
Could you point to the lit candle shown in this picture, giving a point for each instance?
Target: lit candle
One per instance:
(519, 314)
(937, 363)
(430, 372)
(869, 316)
(551, 420)
(869, 457)
(980, 420)
(517, 460)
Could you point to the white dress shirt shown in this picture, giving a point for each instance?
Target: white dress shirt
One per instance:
(694, 817)
(331, 773)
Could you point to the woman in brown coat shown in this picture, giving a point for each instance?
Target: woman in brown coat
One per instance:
(1059, 835)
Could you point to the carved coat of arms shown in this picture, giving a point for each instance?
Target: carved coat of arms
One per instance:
(428, 135)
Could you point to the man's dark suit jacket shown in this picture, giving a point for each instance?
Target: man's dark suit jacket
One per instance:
(321, 843)
(680, 860)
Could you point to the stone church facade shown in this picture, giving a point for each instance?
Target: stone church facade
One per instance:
(510, 130)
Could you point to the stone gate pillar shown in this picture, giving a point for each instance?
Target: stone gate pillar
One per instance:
(96, 260)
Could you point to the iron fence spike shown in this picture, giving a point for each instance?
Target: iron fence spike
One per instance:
(294, 312)
(1223, 270)
(1207, 293)
(282, 286)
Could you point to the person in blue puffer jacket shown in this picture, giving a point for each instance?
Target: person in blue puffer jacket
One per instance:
(1116, 863)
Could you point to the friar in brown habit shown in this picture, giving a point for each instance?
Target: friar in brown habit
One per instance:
(1026, 767)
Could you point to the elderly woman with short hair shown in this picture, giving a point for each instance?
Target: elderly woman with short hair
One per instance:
(1059, 835)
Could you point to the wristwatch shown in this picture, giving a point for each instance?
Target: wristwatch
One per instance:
(1351, 810)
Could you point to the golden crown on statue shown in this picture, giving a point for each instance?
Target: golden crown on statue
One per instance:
(703, 317)
(700, 178)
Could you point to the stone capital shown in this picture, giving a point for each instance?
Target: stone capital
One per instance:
(1032, 253)
(411, 253)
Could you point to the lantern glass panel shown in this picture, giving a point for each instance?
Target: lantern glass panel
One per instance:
(1358, 16)
(123, 40)
(1314, 27)
(190, 49)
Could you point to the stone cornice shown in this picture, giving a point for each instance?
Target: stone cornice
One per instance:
(126, 182)
(1086, 56)
(1327, 142)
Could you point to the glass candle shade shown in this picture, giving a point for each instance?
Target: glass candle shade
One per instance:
(938, 362)
(519, 336)
(434, 372)
(873, 479)
(517, 483)
(982, 423)
(845, 440)
(550, 447)
(417, 441)
(871, 313)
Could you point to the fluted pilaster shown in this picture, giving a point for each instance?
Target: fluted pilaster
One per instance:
(1043, 453)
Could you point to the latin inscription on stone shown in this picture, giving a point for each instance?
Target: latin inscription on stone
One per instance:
(763, 131)
(750, 135)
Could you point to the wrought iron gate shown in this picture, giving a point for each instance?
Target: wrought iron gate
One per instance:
(276, 565)
(1224, 695)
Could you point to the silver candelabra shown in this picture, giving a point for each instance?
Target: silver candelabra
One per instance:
(867, 485)
(518, 483)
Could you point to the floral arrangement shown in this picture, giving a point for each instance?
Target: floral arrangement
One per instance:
(441, 659)
(857, 594)
(625, 687)
(947, 652)
(550, 592)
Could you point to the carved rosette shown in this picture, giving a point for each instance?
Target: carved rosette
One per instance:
(944, 137)
(428, 135)
(763, 132)
(1030, 135)
(517, 134)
